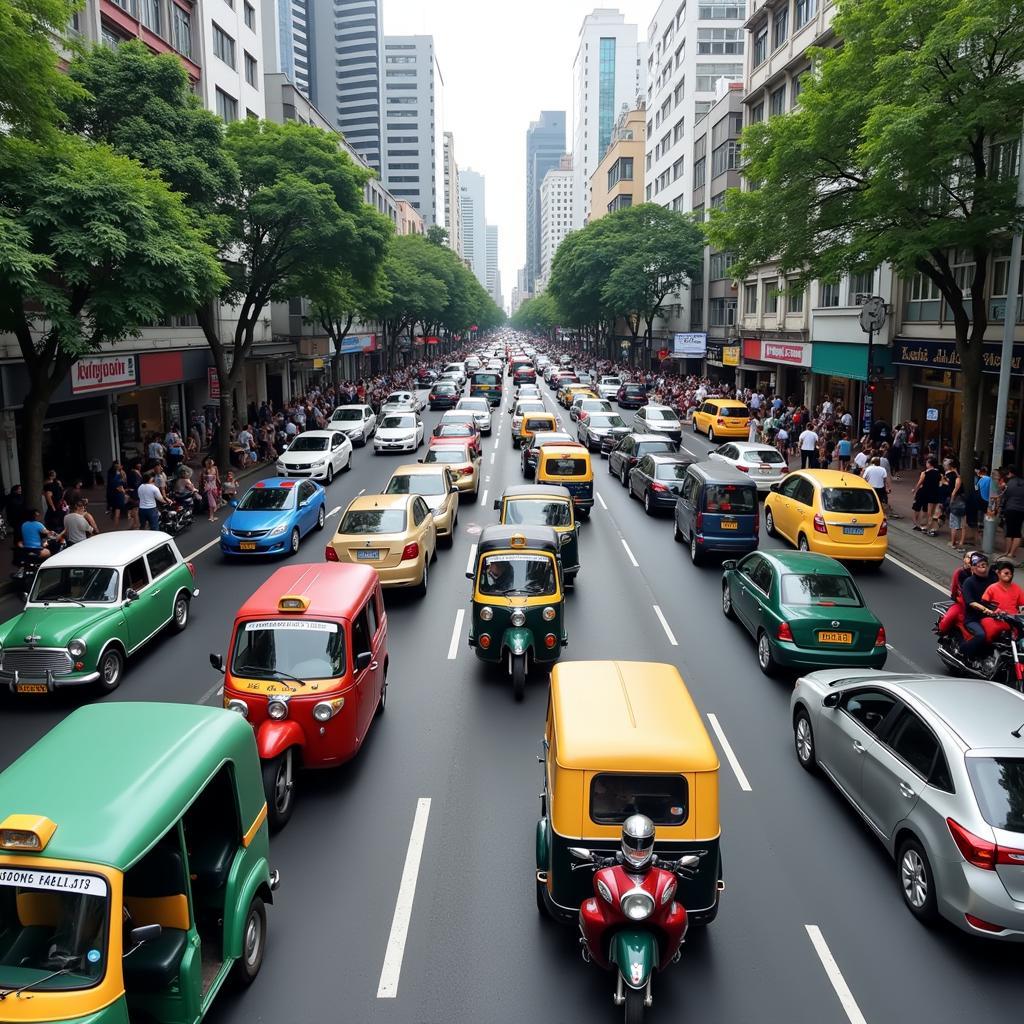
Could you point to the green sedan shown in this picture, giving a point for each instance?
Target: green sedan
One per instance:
(804, 610)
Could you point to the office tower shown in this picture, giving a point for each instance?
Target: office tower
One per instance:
(493, 278)
(555, 216)
(545, 144)
(474, 230)
(287, 29)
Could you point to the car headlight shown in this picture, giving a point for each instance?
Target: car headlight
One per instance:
(486, 614)
(76, 648)
(277, 709)
(637, 905)
(327, 709)
(225, 530)
(278, 530)
(518, 617)
(548, 614)
(238, 705)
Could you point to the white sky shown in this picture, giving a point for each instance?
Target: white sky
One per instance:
(502, 64)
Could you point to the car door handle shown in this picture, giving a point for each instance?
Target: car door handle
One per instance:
(907, 791)
(859, 747)
(372, 665)
(153, 593)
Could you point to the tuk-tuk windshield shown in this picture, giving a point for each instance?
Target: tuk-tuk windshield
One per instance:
(512, 575)
(52, 921)
(307, 649)
(663, 798)
(536, 512)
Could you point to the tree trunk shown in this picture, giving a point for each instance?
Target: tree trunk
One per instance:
(33, 412)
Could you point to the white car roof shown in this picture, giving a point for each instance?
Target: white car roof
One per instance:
(111, 549)
(400, 395)
(361, 408)
(660, 408)
(752, 446)
(317, 434)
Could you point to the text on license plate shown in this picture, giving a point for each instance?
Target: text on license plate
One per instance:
(765, 469)
(730, 524)
(368, 555)
(854, 531)
(826, 636)
(247, 545)
(31, 688)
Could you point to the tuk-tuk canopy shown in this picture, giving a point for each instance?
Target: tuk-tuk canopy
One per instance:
(627, 716)
(114, 778)
(504, 538)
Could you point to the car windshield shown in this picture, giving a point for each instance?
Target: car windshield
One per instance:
(265, 499)
(447, 456)
(615, 381)
(52, 921)
(537, 512)
(999, 786)
(762, 455)
(373, 520)
(398, 398)
(524, 407)
(304, 443)
(666, 415)
(86, 584)
(537, 422)
(417, 483)
(735, 499)
(397, 422)
(346, 415)
(670, 470)
(474, 405)
(562, 466)
(606, 419)
(819, 588)
(849, 499)
(513, 575)
(306, 649)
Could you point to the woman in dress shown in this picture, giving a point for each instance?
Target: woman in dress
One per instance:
(209, 482)
(927, 497)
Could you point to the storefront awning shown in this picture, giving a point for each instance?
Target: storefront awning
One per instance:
(849, 359)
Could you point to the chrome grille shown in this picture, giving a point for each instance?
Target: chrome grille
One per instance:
(250, 533)
(36, 663)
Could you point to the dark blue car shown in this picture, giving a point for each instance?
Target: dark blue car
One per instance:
(717, 512)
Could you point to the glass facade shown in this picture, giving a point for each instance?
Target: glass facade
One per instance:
(606, 95)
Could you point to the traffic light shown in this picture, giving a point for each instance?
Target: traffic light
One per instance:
(872, 388)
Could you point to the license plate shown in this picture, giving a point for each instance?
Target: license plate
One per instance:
(247, 545)
(370, 555)
(827, 636)
(730, 524)
(765, 469)
(853, 531)
(31, 688)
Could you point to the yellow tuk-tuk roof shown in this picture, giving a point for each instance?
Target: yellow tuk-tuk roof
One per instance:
(628, 716)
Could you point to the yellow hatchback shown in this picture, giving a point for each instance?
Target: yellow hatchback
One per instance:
(722, 417)
(566, 394)
(829, 512)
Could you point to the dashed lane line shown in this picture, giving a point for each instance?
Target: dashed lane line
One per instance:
(472, 558)
(214, 691)
(198, 551)
(730, 755)
(629, 553)
(835, 976)
(453, 647)
(665, 626)
(597, 494)
(334, 511)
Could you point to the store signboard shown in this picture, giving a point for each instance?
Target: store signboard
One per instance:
(714, 353)
(932, 415)
(690, 346)
(731, 355)
(103, 373)
(790, 353)
(213, 382)
(356, 343)
(942, 355)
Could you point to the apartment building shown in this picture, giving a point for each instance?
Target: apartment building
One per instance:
(618, 181)
(452, 210)
(556, 203)
(233, 53)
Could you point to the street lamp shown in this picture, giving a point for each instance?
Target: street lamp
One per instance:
(872, 318)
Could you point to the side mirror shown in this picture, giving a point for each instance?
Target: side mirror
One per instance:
(729, 563)
(691, 860)
(145, 933)
(131, 594)
(831, 700)
(233, 503)
(497, 504)
(419, 460)
(580, 853)
(454, 489)
(363, 659)
(470, 575)
(217, 661)
(774, 487)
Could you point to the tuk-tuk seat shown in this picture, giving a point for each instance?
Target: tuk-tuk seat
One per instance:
(210, 864)
(154, 966)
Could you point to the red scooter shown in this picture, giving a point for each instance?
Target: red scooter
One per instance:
(633, 924)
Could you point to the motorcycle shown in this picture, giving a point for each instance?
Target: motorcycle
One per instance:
(633, 924)
(1004, 662)
(176, 517)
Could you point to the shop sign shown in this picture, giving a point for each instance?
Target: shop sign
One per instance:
(104, 373)
(213, 381)
(355, 343)
(791, 353)
(731, 355)
(942, 355)
(436, 341)
(690, 346)
(318, 364)
(931, 415)
(714, 352)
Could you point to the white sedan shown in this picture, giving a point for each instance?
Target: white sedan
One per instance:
(398, 432)
(761, 462)
(401, 401)
(317, 454)
(608, 387)
(481, 410)
(357, 422)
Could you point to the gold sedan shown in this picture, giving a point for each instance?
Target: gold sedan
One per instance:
(465, 467)
(393, 533)
(436, 485)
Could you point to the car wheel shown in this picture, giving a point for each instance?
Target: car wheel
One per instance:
(422, 588)
(693, 423)
(624, 476)
(295, 541)
(647, 503)
(330, 475)
(179, 619)
(383, 702)
(254, 943)
(348, 461)
(765, 658)
(321, 518)
(696, 555)
(803, 741)
(110, 668)
(279, 788)
(711, 434)
(802, 543)
(611, 471)
(769, 523)
(677, 534)
(727, 609)
(917, 883)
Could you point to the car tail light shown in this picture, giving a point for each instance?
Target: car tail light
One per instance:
(985, 926)
(784, 632)
(880, 639)
(330, 554)
(743, 469)
(410, 551)
(819, 523)
(660, 488)
(979, 852)
(699, 525)
(720, 421)
(550, 640)
(191, 568)
(884, 528)
(484, 640)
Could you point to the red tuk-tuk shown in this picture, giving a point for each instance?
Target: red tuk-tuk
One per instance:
(307, 666)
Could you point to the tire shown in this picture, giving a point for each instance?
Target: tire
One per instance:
(634, 1006)
(647, 503)
(518, 676)
(254, 943)
(330, 476)
(383, 702)
(801, 543)
(421, 588)
(348, 462)
(321, 518)
(179, 617)
(611, 472)
(111, 668)
(693, 423)
(765, 658)
(803, 741)
(296, 538)
(711, 435)
(279, 789)
(769, 523)
(677, 534)
(727, 609)
(624, 476)
(542, 907)
(696, 555)
(916, 882)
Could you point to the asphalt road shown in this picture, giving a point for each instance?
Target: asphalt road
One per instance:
(812, 928)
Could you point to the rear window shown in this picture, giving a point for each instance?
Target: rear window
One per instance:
(490, 379)
(535, 512)
(566, 467)
(732, 410)
(417, 483)
(999, 786)
(373, 520)
(537, 423)
(662, 414)
(849, 499)
(737, 499)
(758, 457)
(819, 588)
(663, 798)
(670, 471)
(450, 456)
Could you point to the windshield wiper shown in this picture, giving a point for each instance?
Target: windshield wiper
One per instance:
(64, 600)
(40, 981)
(275, 674)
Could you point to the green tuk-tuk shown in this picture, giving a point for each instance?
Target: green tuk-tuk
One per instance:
(134, 866)
(518, 616)
(533, 505)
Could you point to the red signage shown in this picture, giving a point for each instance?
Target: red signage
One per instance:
(433, 341)
(103, 373)
(663, 353)
(474, 327)
(213, 381)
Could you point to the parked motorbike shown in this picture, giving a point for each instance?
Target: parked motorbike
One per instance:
(1002, 663)
(176, 517)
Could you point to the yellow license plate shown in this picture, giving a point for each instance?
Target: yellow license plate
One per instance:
(247, 545)
(31, 688)
(730, 524)
(834, 637)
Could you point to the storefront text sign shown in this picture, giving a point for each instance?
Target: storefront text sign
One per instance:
(358, 343)
(687, 346)
(103, 373)
(731, 355)
(791, 353)
(213, 382)
(942, 355)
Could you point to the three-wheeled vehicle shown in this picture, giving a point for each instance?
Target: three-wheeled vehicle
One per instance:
(625, 738)
(518, 615)
(568, 466)
(134, 870)
(307, 666)
(532, 505)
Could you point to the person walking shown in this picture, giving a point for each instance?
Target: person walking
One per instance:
(117, 499)
(56, 508)
(1011, 504)
(808, 442)
(150, 497)
(957, 506)
(209, 482)
(844, 449)
(876, 476)
(927, 497)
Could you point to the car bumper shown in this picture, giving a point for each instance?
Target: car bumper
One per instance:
(405, 574)
(738, 432)
(667, 502)
(19, 683)
(764, 484)
(740, 545)
(394, 446)
(264, 545)
(791, 656)
(319, 473)
(964, 889)
(873, 552)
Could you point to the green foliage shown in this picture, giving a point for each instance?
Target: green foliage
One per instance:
(437, 235)
(538, 315)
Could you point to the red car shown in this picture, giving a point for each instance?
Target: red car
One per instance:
(465, 432)
(444, 395)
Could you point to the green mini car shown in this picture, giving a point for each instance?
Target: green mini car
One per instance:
(804, 610)
(92, 606)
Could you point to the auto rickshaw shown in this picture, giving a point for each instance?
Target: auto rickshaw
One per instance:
(623, 738)
(518, 618)
(568, 466)
(134, 871)
(545, 506)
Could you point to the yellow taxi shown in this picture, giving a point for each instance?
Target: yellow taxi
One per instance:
(463, 462)
(567, 393)
(436, 485)
(533, 423)
(392, 533)
(722, 417)
(829, 512)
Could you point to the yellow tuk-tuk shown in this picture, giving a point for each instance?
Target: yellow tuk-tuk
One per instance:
(622, 738)
(568, 466)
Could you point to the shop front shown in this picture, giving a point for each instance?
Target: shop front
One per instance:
(356, 352)
(840, 371)
(775, 366)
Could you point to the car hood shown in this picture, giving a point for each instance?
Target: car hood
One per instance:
(243, 520)
(390, 432)
(55, 625)
(303, 458)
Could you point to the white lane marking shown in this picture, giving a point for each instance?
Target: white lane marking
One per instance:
(734, 763)
(472, 559)
(215, 690)
(665, 626)
(629, 554)
(387, 987)
(920, 576)
(689, 451)
(334, 511)
(483, 497)
(828, 961)
(363, 491)
(199, 551)
(453, 647)
(492, 457)
(597, 494)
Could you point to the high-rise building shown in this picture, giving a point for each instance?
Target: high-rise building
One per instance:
(609, 73)
(287, 30)
(545, 144)
(555, 216)
(618, 181)
(474, 230)
(412, 97)
(452, 213)
(346, 79)
(493, 278)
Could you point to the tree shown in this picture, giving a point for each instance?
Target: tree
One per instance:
(538, 315)
(437, 235)
(32, 85)
(92, 246)
(902, 150)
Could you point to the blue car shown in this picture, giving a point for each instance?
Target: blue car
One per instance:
(273, 516)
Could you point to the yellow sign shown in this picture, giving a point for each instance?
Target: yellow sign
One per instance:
(730, 355)
(318, 364)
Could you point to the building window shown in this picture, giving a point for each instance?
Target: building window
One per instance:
(223, 46)
(1003, 160)
(709, 74)
(666, 142)
(722, 12)
(648, 161)
(750, 300)
(677, 131)
(718, 202)
(828, 294)
(921, 299)
(777, 102)
(227, 106)
(720, 264)
(861, 284)
(698, 213)
(677, 168)
(1000, 277)
(666, 109)
(760, 46)
(700, 109)
(606, 94)
(250, 16)
(111, 40)
(252, 71)
(725, 158)
(722, 312)
(127, 5)
(647, 193)
(680, 91)
(720, 42)
(795, 91)
(151, 16)
(620, 203)
(621, 170)
(805, 10)
(780, 26)
(696, 314)
(794, 298)
(182, 25)
(757, 113)
(700, 168)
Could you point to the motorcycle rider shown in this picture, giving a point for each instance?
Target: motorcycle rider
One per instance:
(1004, 596)
(954, 615)
(637, 843)
(977, 615)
